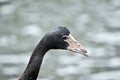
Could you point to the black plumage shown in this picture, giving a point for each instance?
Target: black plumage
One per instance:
(59, 38)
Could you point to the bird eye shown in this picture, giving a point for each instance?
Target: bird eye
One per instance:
(64, 37)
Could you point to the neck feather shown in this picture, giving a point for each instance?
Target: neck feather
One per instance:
(34, 64)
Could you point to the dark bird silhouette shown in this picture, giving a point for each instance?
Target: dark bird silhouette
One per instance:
(59, 38)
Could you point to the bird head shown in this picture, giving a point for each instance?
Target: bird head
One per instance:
(60, 38)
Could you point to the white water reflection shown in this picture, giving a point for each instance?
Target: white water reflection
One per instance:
(8, 40)
(7, 10)
(13, 59)
(32, 30)
(106, 37)
(109, 75)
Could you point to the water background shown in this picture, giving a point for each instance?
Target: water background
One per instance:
(94, 23)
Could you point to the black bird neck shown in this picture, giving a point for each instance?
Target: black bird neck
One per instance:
(34, 64)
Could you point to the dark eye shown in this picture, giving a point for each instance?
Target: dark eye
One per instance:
(64, 37)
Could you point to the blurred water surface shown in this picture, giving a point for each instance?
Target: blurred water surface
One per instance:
(94, 23)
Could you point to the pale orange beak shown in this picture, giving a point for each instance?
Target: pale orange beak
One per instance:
(75, 46)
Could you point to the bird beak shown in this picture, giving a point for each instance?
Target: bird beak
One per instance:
(75, 46)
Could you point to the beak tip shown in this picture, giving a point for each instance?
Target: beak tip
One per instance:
(84, 50)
